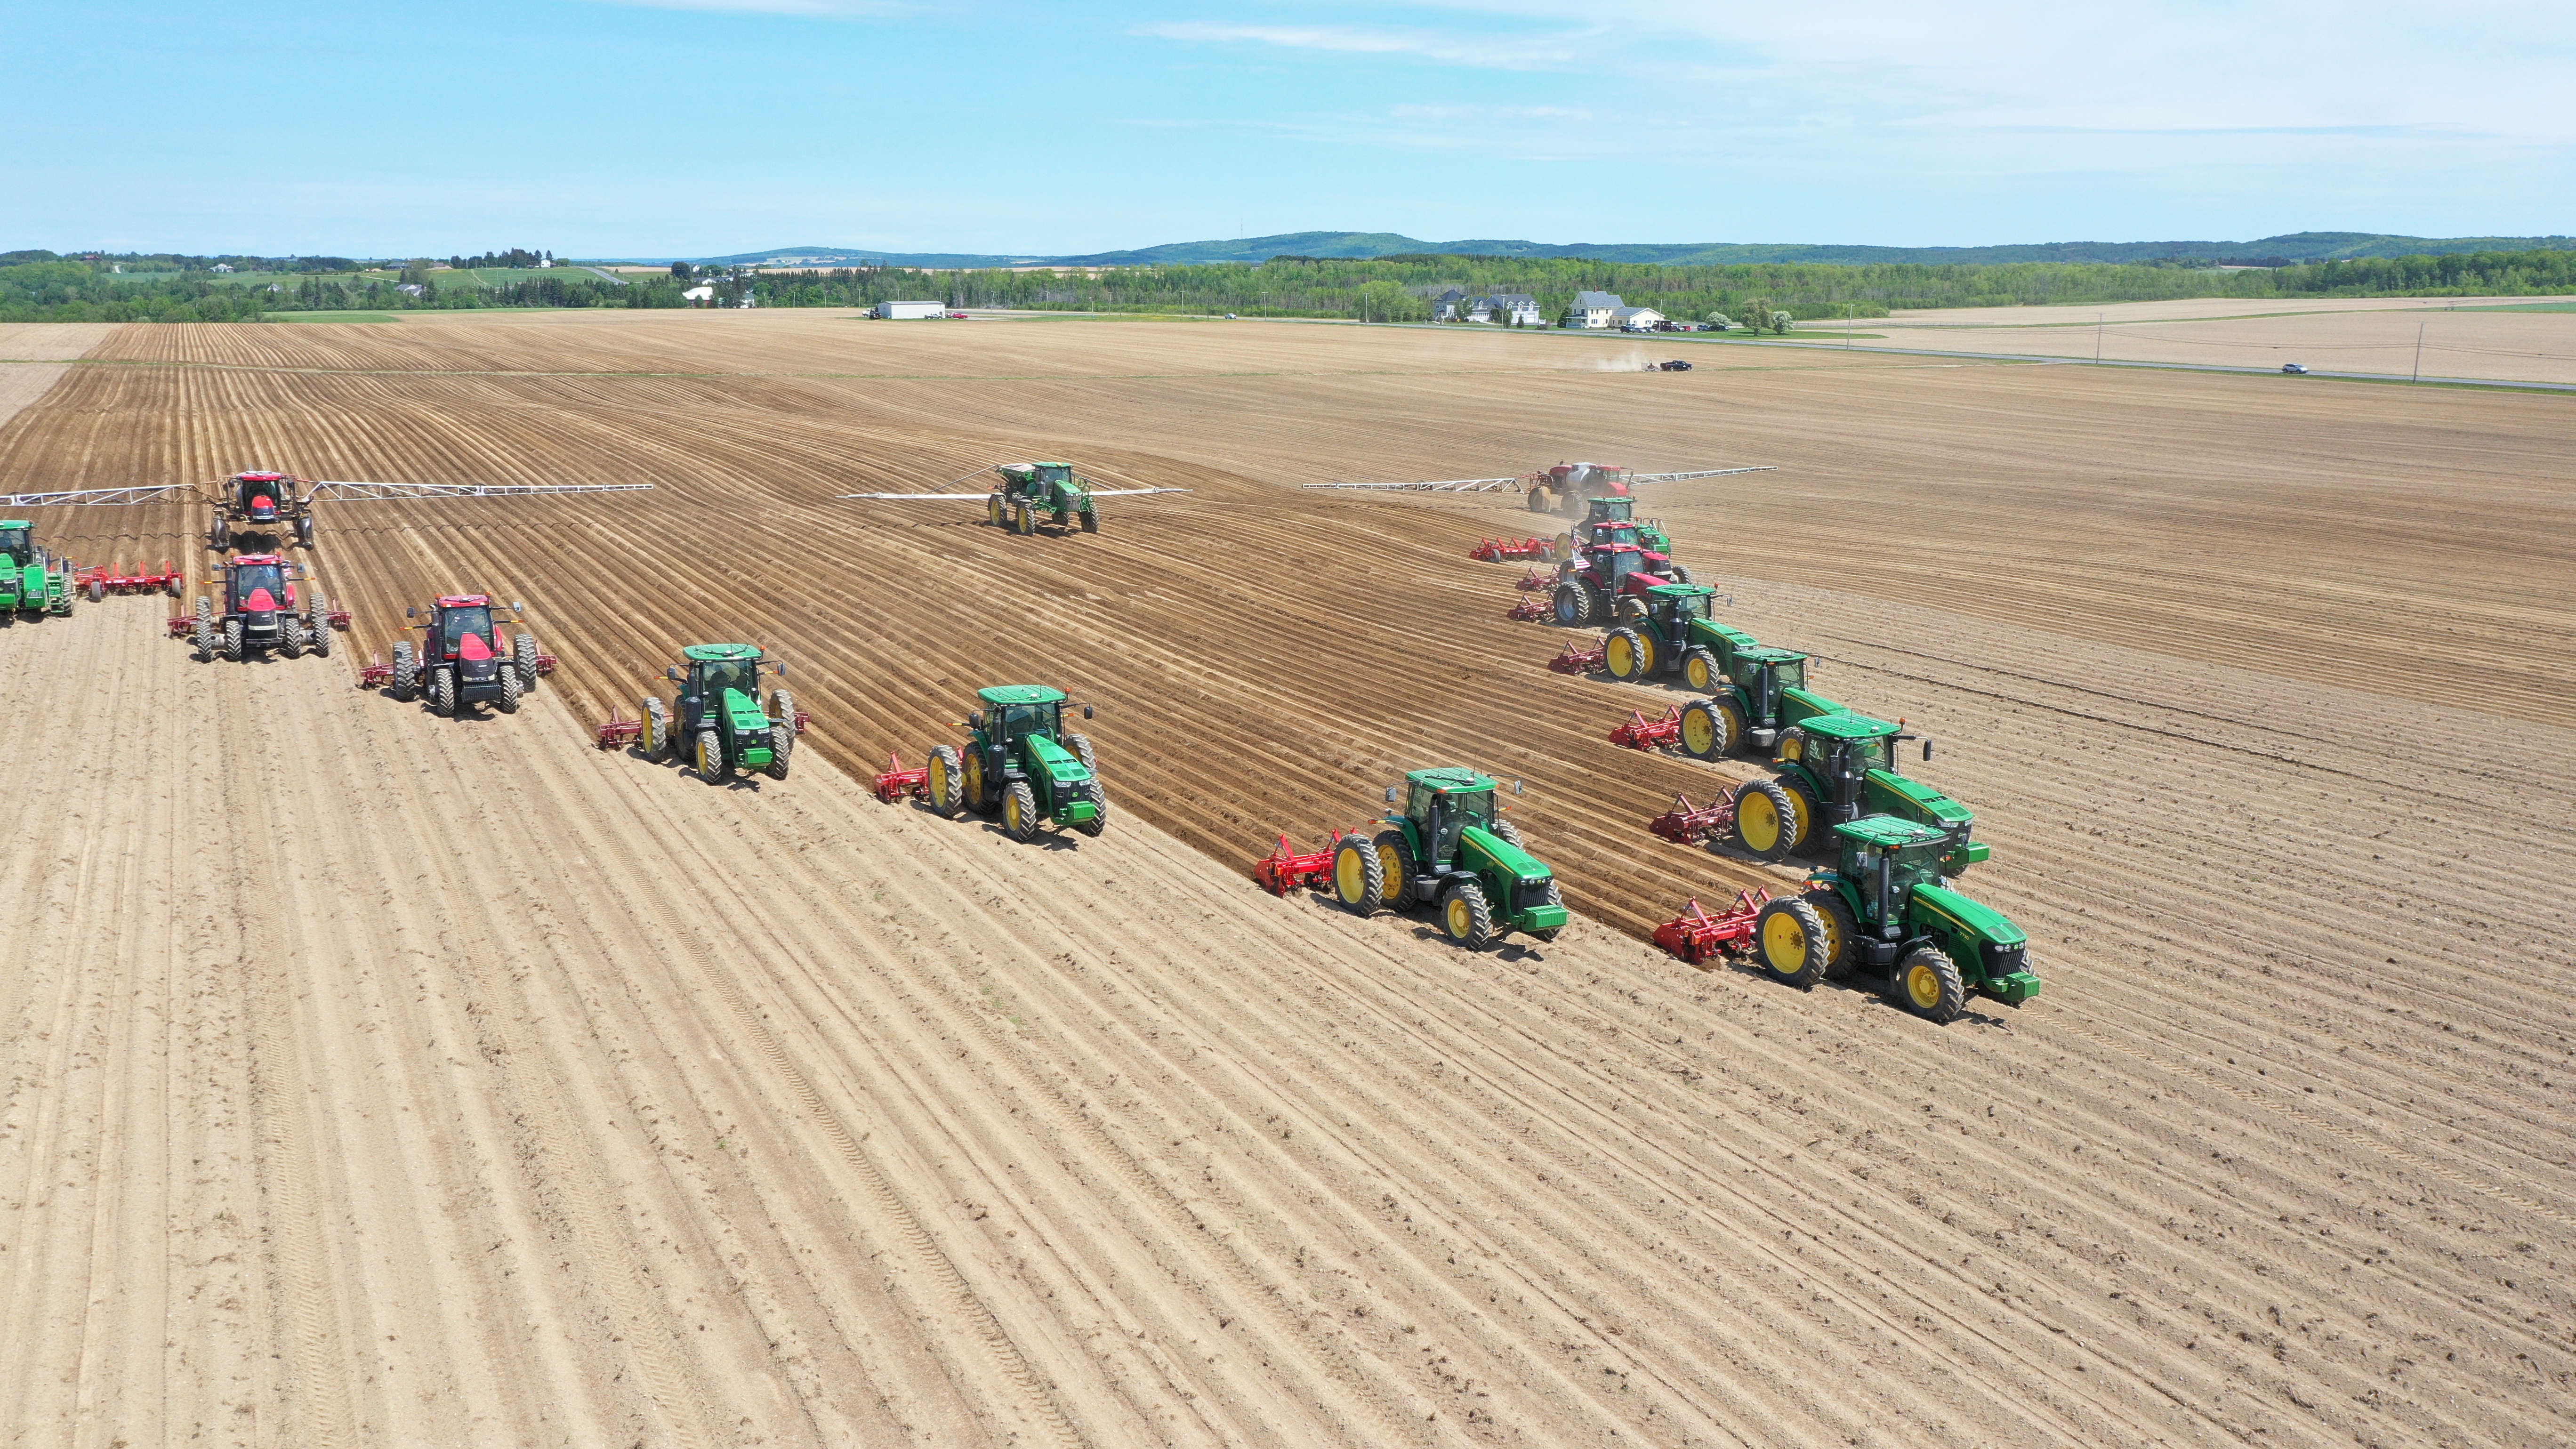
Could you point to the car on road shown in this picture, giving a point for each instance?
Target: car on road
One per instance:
(2294, 369)
(1676, 365)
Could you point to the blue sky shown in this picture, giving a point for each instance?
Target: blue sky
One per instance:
(699, 127)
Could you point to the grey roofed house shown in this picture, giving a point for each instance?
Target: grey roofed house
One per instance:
(1447, 303)
(1597, 301)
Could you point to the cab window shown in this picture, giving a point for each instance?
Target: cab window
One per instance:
(1027, 719)
(1872, 754)
(461, 622)
(250, 578)
(13, 542)
(1792, 673)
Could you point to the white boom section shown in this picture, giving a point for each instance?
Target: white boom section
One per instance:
(103, 497)
(1704, 473)
(360, 491)
(1438, 485)
(911, 497)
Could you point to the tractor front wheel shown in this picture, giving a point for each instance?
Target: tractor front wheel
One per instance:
(233, 640)
(442, 693)
(656, 737)
(508, 703)
(1020, 812)
(304, 530)
(1790, 937)
(221, 535)
(523, 657)
(1708, 730)
(1464, 916)
(946, 782)
(1629, 655)
(1766, 820)
(1699, 669)
(1927, 983)
(1555, 897)
(779, 736)
(1359, 875)
(1090, 520)
(711, 760)
(406, 685)
(1573, 606)
(1099, 820)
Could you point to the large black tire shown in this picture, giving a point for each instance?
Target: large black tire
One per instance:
(1020, 812)
(1510, 832)
(1841, 930)
(290, 637)
(993, 509)
(1394, 875)
(656, 737)
(233, 640)
(1699, 669)
(1099, 820)
(97, 590)
(318, 627)
(442, 693)
(980, 795)
(1766, 820)
(1629, 655)
(1682, 574)
(1090, 520)
(1081, 747)
(304, 530)
(1359, 880)
(1789, 940)
(523, 657)
(1573, 606)
(947, 782)
(221, 535)
(205, 631)
(1024, 519)
(710, 758)
(780, 735)
(782, 708)
(1555, 897)
(406, 685)
(1465, 917)
(1927, 983)
(1812, 834)
(1708, 730)
(508, 703)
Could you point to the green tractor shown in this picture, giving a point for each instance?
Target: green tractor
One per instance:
(30, 581)
(1451, 847)
(1832, 769)
(1613, 520)
(1029, 489)
(721, 717)
(1020, 760)
(1886, 909)
(1754, 692)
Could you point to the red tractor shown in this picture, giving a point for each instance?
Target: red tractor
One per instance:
(1590, 585)
(1566, 487)
(463, 659)
(262, 501)
(260, 613)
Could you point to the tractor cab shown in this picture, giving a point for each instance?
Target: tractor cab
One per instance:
(1014, 712)
(1846, 765)
(1615, 563)
(1037, 481)
(257, 494)
(1441, 804)
(1616, 508)
(1883, 860)
(18, 543)
(723, 680)
(1672, 607)
(457, 618)
(256, 584)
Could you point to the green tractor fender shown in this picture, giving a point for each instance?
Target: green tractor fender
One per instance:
(1989, 950)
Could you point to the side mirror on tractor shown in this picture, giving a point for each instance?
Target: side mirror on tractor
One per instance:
(1927, 750)
(782, 668)
(671, 672)
(1390, 794)
(410, 613)
(518, 608)
(1086, 711)
(1518, 789)
(974, 719)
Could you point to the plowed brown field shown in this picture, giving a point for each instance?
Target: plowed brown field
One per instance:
(377, 1077)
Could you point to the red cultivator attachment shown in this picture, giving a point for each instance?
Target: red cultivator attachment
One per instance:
(1284, 870)
(375, 673)
(182, 625)
(1583, 661)
(339, 619)
(1535, 582)
(1695, 935)
(1511, 550)
(545, 662)
(1527, 609)
(619, 730)
(100, 580)
(1688, 824)
(801, 717)
(898, 783)
(1641, 733)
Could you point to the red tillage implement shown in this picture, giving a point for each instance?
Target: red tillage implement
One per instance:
(1511, 550)
(1695, 935)
(375, 673)
(898, 783)
(100, 580)
(1688, 824)
(1527, 609)
(1535, 582)
(1583, 661)
(1641, 733)
(339, 619)
(1284, 870)
(619, 730)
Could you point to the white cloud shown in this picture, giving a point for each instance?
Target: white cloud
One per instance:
(1500, 52)
(816, 9)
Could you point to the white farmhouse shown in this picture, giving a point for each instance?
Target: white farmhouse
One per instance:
(903, 311)
(1506, 309)
(1635, 319)
(702, 296)
(1593, 309)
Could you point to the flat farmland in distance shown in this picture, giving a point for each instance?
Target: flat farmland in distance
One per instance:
(450, 1081)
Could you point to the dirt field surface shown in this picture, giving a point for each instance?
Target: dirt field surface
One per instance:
(376, 1078)
(2374, 335)
(32, 358)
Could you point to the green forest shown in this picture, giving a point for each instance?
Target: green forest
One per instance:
(42, 287)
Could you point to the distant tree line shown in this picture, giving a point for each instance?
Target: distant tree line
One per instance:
(514, 257)
(41, 286)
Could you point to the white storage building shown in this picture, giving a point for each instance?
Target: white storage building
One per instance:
(902, 311)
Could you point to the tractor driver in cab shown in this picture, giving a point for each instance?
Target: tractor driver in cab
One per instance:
(1443, 818)
(723, 674)
(461, 622)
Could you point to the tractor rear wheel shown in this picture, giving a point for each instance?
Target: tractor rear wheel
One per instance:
(1699, 669)
(1564, 546)
(1573, 606)
(523, 656)
(979, 791)
(1811, 833)
(779, 737)
(1081, 746)
(442, 693)
(1465, 917)
(946, 782)
(222, 533)
(1629, 654)
(1708, 730)
(1020, 812)
(1099, 820)
(1766, 820)
(711, 760)
(1927, 983)
(1682, 574)
(1359, 874)
(1090, 520)
(1789, 937)
(508, 703)
(1840, 929)
(993, 509)
(1510, 832)
(1555, 897)
(655, 737)
(1024, 519)
(1394, 886)
(406, 685)
(782, 708)
(233, 640)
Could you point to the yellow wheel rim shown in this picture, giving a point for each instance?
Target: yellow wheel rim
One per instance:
(1350, 876)
(974, 779)
(1757, 820)
(1784, 944)
(1565, 545)
(1460, 918)
(1390, 867)
(1696, 672)
(938, 780)
(1699, 732)
(1833, 936)
(1924, 985)
(992, 510)
(1620, 657)
(706, 758)
(1793, 823)
(1645, 656)
(1011, 813)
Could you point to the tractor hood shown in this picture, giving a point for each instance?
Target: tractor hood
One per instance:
(1061, 765)
(1502, 854)
(1922, 801)
(1984, 923)
(744, 714)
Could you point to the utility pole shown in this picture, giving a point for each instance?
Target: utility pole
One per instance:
(1850, 311)
(2419, 354)
(2097, 338)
